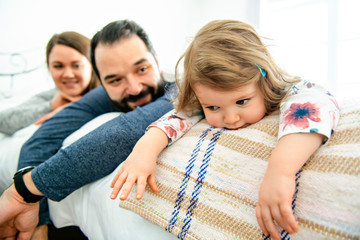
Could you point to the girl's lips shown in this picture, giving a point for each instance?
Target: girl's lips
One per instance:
(236, 128)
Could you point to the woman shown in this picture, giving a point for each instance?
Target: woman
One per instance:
(68, 61)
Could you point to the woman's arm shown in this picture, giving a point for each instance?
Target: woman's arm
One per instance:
(26, 113)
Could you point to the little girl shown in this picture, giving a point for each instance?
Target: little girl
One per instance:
(231, 79)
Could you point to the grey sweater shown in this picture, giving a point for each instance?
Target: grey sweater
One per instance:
(26, 113)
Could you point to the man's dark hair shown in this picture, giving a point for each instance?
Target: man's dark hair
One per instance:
(115, 31)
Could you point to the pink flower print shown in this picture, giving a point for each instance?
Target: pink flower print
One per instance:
(181, 121)
(170, 132)
(299, 115)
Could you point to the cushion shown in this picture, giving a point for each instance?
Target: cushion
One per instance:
(210, 178)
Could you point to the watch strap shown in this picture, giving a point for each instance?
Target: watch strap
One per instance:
(21, 187)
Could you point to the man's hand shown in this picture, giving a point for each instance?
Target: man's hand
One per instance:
(18, 219)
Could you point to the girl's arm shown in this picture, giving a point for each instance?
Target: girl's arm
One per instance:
(140, 165)
(278, 186)
(308, 116)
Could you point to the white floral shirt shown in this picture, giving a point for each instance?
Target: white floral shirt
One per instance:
(308, 107)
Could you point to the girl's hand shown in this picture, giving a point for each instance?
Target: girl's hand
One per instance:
(138, 168)
(278, 186)
(140, 165)
(275, 199)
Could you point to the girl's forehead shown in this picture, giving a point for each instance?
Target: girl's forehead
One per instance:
(204, 92)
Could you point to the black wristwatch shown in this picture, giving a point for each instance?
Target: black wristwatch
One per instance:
(21, 187)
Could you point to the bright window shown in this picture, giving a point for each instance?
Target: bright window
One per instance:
(316, 39)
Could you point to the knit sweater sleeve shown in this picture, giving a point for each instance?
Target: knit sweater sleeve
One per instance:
(47, 140)
(98, 153)
(26, 113)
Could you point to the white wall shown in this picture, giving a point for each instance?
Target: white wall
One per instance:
(27, 25)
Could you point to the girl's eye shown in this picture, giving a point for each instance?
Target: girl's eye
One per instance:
(212, 108)
(76, 65)
(242, 101)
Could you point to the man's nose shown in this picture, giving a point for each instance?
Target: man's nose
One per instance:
(134, 86)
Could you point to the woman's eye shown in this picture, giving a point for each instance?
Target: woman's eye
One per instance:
(76, 66)
(212, 108)
(57, 66)
(242, 101)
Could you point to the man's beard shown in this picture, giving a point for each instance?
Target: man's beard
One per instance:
(123, 105)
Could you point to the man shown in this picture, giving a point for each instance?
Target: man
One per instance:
(124, 60)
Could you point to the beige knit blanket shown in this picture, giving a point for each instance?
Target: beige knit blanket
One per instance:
(209, 181)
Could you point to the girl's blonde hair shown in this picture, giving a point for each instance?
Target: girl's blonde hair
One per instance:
(228, 54)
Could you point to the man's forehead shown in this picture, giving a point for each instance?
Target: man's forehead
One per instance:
(120, 56)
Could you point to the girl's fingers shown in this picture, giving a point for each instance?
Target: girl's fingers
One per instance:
(260, 221)
(290, 224)
(117, 185)
(115, 179)
(126, 188)
(152, 183)
(268, 222)
(141, 184)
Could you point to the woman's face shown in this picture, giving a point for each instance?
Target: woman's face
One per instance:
(70, 70)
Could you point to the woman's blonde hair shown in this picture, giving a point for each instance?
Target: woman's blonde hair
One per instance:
(228, 54)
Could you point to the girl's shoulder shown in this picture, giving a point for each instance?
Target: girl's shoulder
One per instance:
(306, 86)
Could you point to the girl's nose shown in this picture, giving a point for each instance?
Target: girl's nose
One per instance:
(231, 118)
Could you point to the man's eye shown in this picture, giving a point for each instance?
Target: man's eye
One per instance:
(142, 70)
(242, 101)
(116, 80)
(212, 108)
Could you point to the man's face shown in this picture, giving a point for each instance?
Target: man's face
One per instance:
(128, 71)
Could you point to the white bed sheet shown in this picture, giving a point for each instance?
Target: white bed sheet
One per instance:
(82, 207)
(10, 147)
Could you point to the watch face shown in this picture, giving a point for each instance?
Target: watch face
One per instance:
(26, 169)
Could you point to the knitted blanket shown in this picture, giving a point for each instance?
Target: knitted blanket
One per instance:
(210, 178)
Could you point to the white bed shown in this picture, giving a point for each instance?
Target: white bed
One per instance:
(327, 202)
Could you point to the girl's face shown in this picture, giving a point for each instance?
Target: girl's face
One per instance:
(70, 70)
(232, 109)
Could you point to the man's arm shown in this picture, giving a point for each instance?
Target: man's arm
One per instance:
(48, 139)
(96, 154)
